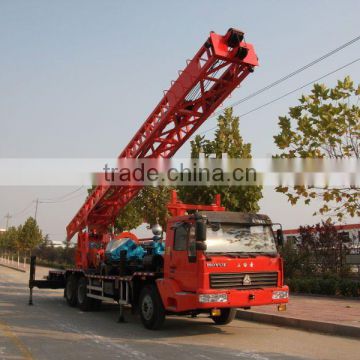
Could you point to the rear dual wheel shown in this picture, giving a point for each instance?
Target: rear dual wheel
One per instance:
(84, 302)
(76, 294)
(70, 290)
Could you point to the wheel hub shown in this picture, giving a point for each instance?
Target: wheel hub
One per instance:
(81, 294)
(147, 307)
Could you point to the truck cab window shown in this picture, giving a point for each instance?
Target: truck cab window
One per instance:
(180, 240)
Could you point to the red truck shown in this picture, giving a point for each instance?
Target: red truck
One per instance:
(211, 260)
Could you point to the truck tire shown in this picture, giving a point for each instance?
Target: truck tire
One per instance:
(70, 290)
(84, 302)
(152, 310)
(226, 317)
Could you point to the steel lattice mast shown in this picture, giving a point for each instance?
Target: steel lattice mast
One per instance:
(220, 65)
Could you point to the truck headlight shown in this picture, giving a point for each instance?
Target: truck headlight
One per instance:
(209, 298)
(279, 294)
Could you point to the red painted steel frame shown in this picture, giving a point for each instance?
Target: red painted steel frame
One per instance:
(178, 208)
(216, 70)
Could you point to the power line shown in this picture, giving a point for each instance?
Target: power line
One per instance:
(61, 201)
(24, 209)
(301, 87)
(55, 199)
(288, 76)
(38, 201)
(285, 77)
(289, 93)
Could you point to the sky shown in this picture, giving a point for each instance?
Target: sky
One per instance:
(78, 78)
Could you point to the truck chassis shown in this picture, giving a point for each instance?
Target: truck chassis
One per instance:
(88, 291)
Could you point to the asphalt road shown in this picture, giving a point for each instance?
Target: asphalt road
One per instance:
(52, 330)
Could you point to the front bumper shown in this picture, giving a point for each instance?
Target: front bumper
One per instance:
(234, 298)
(246, 298)
(183, 301)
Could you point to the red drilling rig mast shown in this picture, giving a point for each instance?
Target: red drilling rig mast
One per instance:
(220, 65)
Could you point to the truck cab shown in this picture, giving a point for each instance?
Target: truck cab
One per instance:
(215, 261)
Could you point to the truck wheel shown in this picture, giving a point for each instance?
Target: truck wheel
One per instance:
(226, 317)
(84, 302)
(152, 311)
(70, 290)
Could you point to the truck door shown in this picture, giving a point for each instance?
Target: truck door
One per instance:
(183, 262)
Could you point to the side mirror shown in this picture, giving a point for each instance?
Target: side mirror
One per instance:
(280, 237)
(200, 230)
(201, 245)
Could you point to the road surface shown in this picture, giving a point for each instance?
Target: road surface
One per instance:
(52, 330)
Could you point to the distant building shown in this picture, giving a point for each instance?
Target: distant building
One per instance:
(350, 233)
(2, 230)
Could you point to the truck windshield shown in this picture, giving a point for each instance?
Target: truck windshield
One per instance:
(239, 238)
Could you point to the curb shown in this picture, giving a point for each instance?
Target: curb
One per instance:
(13, 267)
(310, 325)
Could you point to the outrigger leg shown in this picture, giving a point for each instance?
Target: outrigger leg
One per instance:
(32, 278)
(121, 318)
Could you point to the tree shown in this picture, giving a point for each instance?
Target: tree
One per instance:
(16, 242)
(320, 250)
(129, 217)
(326, 124)
(227, 141)
(30, 235)
(297, 262)
(9, 239)
(325, 245)
(67, 253)
(150, 205)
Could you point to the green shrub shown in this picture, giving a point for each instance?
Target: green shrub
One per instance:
(51, 264)
(349, 287)
(314, 286)
(330, 275)
(328, 286)
(290, 283)
(305, 286)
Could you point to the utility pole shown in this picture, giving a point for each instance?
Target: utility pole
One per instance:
(7, 217)
(36, 207)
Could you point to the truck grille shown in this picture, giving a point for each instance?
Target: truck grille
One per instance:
(253, 280)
